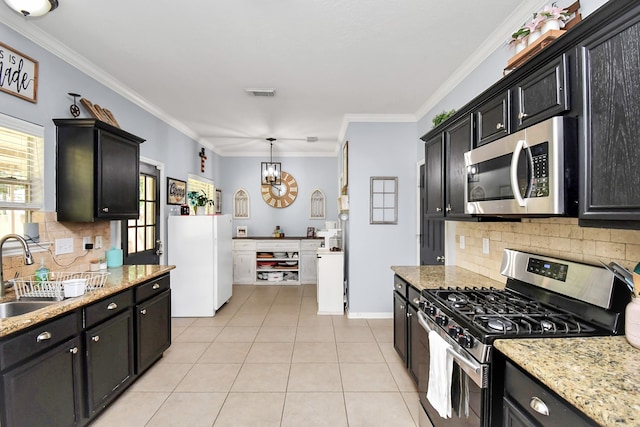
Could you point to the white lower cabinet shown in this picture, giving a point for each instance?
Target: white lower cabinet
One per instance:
(244, 262)
(330, 282)
(309, 261)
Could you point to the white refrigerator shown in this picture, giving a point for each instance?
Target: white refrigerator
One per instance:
(200, 248)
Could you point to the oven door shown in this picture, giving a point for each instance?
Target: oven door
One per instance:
(475, 378)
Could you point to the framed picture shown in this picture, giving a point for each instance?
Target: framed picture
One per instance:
(176, 191)
(218, 200)
(241, 231)
(345, 167)
(20, 74)
(311, 232)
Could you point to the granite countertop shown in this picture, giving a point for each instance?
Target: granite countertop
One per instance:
(437, 276)
(600, 376)
(120, 279)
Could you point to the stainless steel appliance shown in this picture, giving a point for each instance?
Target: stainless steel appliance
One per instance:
(543, 297)
(530, 172)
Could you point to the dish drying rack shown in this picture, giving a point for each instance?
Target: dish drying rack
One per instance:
(53, 287)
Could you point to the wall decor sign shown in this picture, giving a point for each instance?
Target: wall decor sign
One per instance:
(176, 192)
(18, 74)
(218, 200)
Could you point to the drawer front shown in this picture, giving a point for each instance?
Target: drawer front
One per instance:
(38, 339)
(271, 245)
(152, 288)
(527, 393)
(310, 245)
(110, 306)
(413, 296)
(244, 245)
(400, 286)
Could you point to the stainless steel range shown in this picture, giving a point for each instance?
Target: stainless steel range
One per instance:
(543, 297)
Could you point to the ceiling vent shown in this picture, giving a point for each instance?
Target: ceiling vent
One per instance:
(261, 92)
(312, 139)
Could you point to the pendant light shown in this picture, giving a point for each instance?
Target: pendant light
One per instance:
(32, 7)
(270, 172)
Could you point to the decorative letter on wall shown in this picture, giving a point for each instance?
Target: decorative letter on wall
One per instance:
(384, 200)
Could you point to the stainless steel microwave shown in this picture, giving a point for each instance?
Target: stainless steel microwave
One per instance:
(532, 172)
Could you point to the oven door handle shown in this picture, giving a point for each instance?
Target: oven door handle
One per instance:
(514, 173)
(471, 364)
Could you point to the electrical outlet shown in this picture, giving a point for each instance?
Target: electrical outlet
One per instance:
(86, 240)
(64, 246)
(485, 245)
(462, 242)
(97, 244)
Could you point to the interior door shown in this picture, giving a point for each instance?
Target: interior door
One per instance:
(141, 242)
(431, 230)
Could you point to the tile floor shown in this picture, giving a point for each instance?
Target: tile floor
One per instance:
(266, 359)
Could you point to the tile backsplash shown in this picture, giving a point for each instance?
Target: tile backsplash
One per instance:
(561, 237)
(50, 230)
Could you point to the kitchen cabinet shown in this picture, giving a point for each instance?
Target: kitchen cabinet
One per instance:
(153, 321)
(493, 119)
(458, 139)
(309, 261)
(97, 171)
(543, 94)
(41, 379)
(109, 347)
(330, 288)
(434, 198)
(406, 329)
(244, 261)
(610, 175)
(277, 261)
(400, 339)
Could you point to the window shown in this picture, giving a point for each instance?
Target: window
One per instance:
(21, 170)
(197, 183)
(384, 200)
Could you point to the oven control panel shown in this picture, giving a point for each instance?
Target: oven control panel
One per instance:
(554, 270)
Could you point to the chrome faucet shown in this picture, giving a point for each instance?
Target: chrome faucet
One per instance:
(28, 259)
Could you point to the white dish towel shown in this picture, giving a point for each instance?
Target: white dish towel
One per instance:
(440, 371)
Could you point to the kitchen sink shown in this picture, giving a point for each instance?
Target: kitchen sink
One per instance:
(16, 308)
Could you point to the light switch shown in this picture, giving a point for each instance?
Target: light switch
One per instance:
(485, 245)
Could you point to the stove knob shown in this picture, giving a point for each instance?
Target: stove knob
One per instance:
(454, 331)
(442, 320)
(466, 340)
(432, 310)
(422, 304)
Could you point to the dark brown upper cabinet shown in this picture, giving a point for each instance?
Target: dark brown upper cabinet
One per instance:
(493, 119)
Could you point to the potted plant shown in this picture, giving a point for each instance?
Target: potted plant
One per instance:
(552, 17)
(519, 38)
(199, 199)
(439, 118)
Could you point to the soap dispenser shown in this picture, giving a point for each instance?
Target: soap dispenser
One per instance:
(42, 273)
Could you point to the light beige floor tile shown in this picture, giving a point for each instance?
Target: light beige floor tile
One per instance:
(315, 334)
(381, 323)
(184, 352)
(218, 320)
(262, 377)
(314, 410)
(251, 410)
(281, 319)
(237, 334)
(402, 377)
(314, 352)
(226, 352)
(176, 331)
(270, 352)
(276, 334)
(412, 400)
(367, 377)
(132, 409)
(209, 378)
(314, 377)
(188, 409)
(359, 352)
(314, 320)
(199, 334)
(353, 334)
(382, 334)
(344, 321)
(159, 378)
(380, 409)
(182, 322)
(242, 319)
(278, 308)
(389, 352)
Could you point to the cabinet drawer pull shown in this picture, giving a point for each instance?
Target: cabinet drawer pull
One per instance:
(499, 126)
(539, 406)
(105, 210)
(522, 115)
(398, 286)
(95, 338)
(44, 336)
(143, 312)
(112, 306)
(416, 300)
(73, 350)
(155, 286)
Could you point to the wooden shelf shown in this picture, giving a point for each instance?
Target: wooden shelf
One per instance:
(533, 49)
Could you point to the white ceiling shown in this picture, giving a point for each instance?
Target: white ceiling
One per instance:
(330, 61)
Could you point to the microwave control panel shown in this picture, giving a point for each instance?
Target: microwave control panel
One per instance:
(540, 172)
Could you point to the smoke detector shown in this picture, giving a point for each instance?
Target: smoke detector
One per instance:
(261, 92)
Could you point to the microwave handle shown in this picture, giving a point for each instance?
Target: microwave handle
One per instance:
(514, 173)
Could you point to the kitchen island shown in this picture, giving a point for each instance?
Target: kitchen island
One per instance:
(598, 375)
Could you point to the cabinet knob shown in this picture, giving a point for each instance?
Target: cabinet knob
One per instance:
(522, 115)
(73, 350)
(44, 336)
(440, 258)
(155, 286)
(398, 286)
(105, 210)
(416, 300)
(95, 338)
(438, 209)
(449, 208)
(143, 312)
(409, 314)
(401, 307)
(499, 126)
(539, 406)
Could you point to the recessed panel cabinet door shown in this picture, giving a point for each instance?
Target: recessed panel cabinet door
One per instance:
(434, 178)
(457, 139)
(153, 326)
(611, 157)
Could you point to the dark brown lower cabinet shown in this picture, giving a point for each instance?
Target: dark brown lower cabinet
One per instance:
(400, 326)
(153, 329)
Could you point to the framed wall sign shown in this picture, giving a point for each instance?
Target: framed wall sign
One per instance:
(176, 191)
(345, 168)
(18, 74)
(218, 200)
